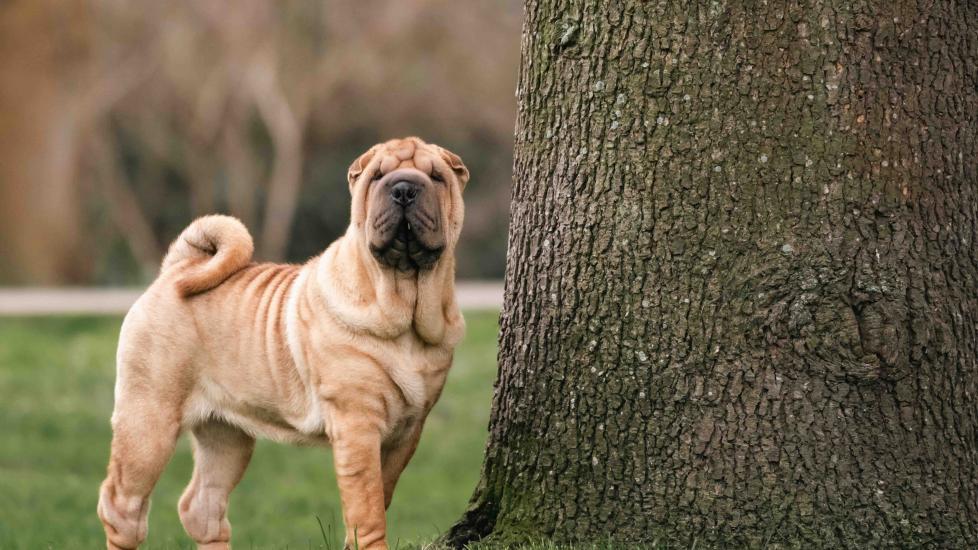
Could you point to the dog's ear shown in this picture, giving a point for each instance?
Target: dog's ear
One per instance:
(455, 163)
(360, 165)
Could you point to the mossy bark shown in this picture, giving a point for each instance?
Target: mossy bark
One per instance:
(742, 285)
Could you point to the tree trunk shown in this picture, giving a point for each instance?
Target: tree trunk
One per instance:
(44, 52)
(742, 285)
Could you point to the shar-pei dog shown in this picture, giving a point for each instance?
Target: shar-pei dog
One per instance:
(350, 349)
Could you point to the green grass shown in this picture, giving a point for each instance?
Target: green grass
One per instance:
(56, 379)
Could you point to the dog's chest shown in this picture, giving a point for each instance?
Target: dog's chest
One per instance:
(418, 373)
(395, 381)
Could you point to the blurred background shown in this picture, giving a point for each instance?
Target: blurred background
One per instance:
(120, 121)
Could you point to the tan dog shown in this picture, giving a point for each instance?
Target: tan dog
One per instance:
(350, 349)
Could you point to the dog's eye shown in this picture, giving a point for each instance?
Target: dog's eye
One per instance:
(377, 175)
(436, 175)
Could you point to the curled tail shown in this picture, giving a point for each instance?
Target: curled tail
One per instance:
(215, 247)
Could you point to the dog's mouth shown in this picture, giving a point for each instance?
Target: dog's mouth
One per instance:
(403, 250)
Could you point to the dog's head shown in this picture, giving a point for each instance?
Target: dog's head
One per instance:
(407, 202)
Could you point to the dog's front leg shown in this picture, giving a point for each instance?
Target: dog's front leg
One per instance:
(356, 455)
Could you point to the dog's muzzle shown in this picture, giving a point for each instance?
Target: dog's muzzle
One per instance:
(407, 235)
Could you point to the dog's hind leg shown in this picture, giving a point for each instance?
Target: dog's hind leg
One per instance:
(221, 455)
(142, 442)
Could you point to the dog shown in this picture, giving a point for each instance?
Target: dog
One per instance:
(349, 350)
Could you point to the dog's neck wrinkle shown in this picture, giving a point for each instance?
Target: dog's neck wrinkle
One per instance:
(437, 320)
(369, 298)
(406, 287)
(357, 295)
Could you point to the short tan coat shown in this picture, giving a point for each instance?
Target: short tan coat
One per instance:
(342, 350)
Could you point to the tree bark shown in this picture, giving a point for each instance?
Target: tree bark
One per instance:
(742, 284)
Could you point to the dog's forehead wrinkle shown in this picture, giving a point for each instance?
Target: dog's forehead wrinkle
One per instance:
(388, 164)
(423, 162)
(404, 150)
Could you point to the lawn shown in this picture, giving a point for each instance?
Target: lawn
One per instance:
(56, 379)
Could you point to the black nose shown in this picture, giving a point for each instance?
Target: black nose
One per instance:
(404, 192)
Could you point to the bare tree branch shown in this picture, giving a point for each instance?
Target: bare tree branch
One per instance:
(285, 125)
(124, 207)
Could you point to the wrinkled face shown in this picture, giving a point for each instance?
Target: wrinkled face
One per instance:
(410, 195)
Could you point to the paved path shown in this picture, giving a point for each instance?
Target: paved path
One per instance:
(115, 301)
